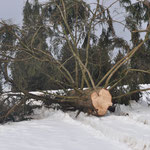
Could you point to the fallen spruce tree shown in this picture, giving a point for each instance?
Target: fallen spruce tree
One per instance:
(73, 22)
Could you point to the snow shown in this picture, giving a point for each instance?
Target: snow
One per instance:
(146, 94)
(132, 130)
(56, 130)
(126, 129)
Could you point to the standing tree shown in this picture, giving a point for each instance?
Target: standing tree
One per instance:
(99, 58)
(0, 78)
(138, 13)
(31, 73)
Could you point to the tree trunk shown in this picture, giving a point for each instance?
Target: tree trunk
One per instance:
(92, 102)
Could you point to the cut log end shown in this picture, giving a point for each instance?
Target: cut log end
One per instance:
(101, 100)
(91, 102)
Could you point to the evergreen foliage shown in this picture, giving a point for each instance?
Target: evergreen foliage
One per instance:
(0, 78)
(99, 59)
(33, 74)
(138, 13)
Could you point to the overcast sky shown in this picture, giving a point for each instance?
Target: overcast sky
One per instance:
(12, 9)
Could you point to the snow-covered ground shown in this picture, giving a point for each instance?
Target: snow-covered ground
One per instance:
(55, 130)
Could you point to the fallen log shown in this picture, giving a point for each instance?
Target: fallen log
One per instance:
(92, 102)
(88, 101)
(101, 101)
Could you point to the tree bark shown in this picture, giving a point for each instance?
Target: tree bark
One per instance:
(92, 102)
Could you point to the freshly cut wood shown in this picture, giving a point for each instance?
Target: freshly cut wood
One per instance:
(101, 100)
(92, 102)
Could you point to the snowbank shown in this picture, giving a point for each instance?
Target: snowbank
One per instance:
(55, 130)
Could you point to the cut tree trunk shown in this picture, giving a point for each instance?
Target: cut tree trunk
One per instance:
(92, 102)
(101, 101)
(88, 101)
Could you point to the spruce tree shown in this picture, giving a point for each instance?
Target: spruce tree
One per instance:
(33, 74)
(122, 77)
(0, 78)
(7, 49)
(99, 58)
(138, 13)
